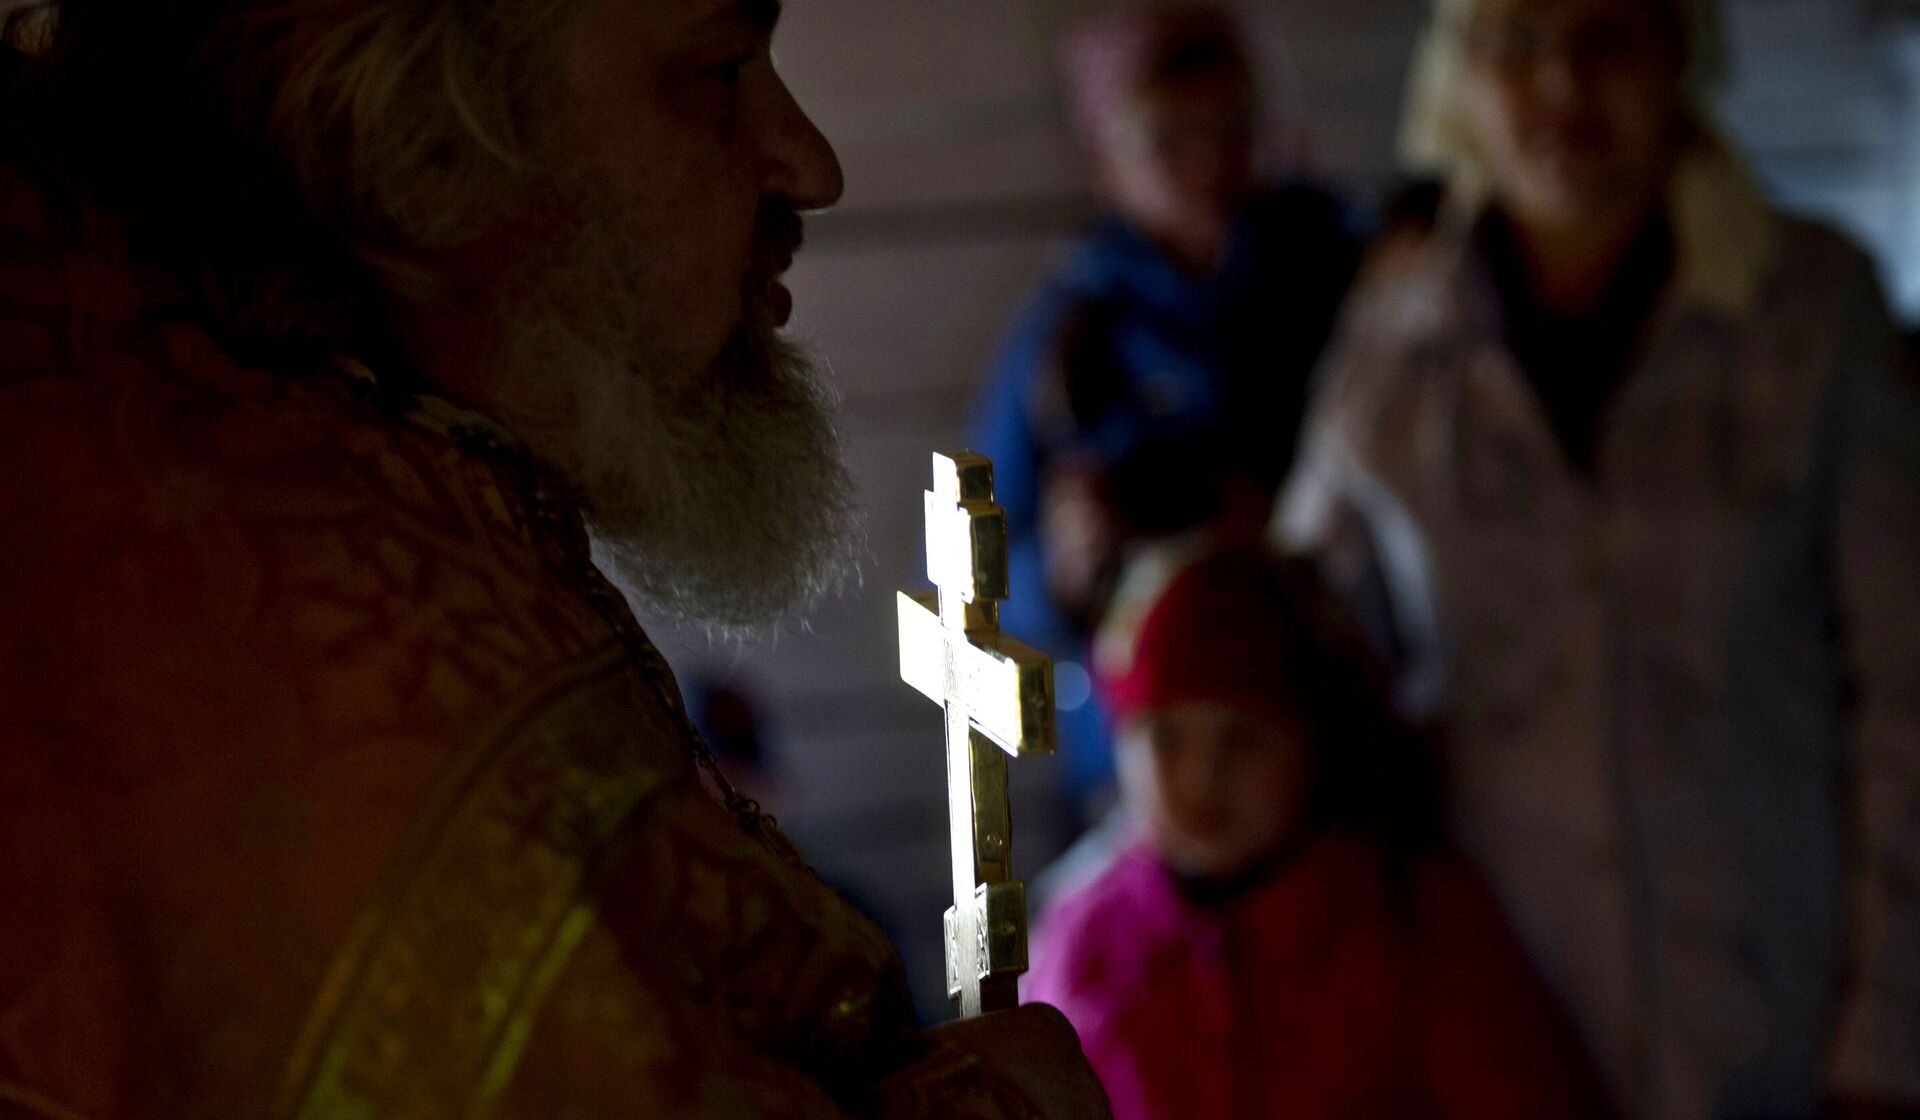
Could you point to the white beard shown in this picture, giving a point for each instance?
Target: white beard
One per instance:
(725, 504)
(732, 514)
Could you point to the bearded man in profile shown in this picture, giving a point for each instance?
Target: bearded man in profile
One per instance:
(360, 360)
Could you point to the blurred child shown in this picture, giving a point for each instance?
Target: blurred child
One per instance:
(1285, 938)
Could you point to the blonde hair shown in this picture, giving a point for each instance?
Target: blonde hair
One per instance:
(1723, 228)
(1436, 138)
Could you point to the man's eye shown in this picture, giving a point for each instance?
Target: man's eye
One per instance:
(729, 73)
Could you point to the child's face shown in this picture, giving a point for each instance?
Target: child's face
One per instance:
(1216, 788)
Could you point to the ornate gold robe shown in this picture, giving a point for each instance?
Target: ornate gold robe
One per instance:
(335, 783)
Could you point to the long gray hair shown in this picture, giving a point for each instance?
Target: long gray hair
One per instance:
(286, 159)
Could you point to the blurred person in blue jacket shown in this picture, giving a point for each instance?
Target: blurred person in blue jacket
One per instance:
(1157, 380)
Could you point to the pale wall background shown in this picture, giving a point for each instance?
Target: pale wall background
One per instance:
(963, 183)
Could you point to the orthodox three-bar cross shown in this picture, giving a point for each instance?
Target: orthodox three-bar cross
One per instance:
(998, 695)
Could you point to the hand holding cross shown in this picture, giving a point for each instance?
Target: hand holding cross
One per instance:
(998, 695)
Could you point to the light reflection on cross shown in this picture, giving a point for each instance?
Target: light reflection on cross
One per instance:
(998, 695)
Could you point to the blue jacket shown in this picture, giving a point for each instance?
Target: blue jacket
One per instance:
(1122, 357)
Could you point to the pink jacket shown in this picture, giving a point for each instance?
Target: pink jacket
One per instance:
(1323, 992)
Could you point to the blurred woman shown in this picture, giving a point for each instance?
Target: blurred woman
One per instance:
(1637, 460)
(1285, 938)
(1157, 378)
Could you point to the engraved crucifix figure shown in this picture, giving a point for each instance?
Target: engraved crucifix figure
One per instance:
(998, 696)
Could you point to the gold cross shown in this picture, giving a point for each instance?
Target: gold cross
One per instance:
(998, 695)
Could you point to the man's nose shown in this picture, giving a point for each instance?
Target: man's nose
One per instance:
(800, 162)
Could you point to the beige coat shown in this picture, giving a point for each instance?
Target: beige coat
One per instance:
(1685, 695)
